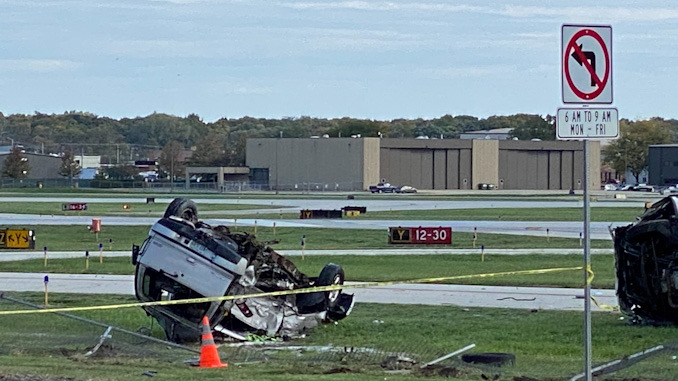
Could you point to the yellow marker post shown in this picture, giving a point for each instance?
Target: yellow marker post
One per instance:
(235, 223)
(46, 293)
(482, 253)
(110, 244)
(255, 227)
(548, 239)
(101, 253)
(475, 236)
(44, 250)
(86, 259)
(274, 230)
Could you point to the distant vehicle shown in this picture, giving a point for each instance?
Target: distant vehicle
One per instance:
(643, 188)
(384, 188)
(668, 190)
(407, 189)
(610, 187)
(637, 188)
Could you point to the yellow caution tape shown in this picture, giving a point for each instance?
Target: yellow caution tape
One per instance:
(286, 292)
(589, 278)
(605, 307)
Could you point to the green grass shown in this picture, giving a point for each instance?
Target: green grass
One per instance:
(547, 344)
(76, 238)
(389, 268)
(509, 214)
(99, 209)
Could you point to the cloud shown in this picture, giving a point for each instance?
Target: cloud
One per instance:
(609, 14)
(38, 65)
(381, 6)
(470, 71)
(159, 48)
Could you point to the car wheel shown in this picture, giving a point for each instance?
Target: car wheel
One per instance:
(331, 274)
(183, 208)
(496, 359)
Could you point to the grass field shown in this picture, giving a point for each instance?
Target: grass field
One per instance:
(389, 268)
(547, 344)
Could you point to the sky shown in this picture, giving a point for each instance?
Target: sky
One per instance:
(368, 59)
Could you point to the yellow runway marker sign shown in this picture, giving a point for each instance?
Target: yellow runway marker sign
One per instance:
(17, 239)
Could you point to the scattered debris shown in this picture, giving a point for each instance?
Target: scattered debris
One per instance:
(494, 359)
(447, 356)
(399, 362)
(103, 337)
(519, 299)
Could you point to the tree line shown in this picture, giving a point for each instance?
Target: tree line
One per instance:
(222, 143)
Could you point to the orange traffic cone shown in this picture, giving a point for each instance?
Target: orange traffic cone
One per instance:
(209, 357)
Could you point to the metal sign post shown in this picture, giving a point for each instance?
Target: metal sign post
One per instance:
(586, 58)
(587, 266)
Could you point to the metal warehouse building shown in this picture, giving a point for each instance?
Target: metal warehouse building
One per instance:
(663, 164)
(357, 163)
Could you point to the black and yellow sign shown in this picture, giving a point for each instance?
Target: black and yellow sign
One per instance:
(17, 239)
(399, 235)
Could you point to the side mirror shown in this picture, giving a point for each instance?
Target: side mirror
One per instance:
(135, 254)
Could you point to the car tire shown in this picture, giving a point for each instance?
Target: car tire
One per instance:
(182, 208)
(494, 359)
(331, 274)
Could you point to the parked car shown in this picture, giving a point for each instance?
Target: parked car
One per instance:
(669, 189)
(407, 189)
(646, 262)
(643, 188)
(185, 258)
(384, 188)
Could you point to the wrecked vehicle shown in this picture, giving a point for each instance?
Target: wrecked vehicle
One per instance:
(186, 258)
(646, 260)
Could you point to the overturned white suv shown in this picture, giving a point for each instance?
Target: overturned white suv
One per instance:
(184, 258)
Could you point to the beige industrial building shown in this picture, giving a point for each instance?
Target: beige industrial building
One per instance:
(357, 163)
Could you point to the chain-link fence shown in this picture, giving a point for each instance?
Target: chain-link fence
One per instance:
(377, 346)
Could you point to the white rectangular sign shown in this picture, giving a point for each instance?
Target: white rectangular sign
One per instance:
(586, 59)
(587, 123)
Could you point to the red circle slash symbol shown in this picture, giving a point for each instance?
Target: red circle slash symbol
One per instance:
(582, 58)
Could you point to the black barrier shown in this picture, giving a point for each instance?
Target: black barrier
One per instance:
(306, 214)
(360, 209)
(74, 206)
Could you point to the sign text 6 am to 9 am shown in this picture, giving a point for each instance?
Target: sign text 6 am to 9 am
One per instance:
(582, 123)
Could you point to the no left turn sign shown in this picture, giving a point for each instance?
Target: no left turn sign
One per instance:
(586, 64)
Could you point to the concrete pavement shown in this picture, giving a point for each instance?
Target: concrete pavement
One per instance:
(532, 298)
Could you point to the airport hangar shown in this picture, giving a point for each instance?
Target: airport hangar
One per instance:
(356, 163)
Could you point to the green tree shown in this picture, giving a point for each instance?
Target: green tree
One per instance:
(170, 161)
(528, 127)
(630, 151)
(120, 172)
(16, 165)
(69, 167)
(209, 151)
